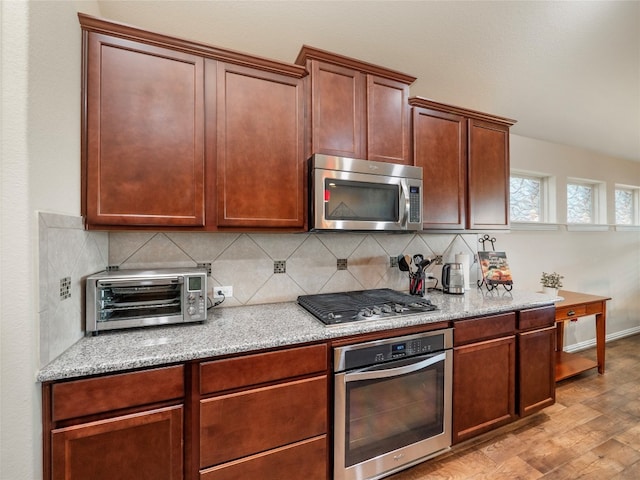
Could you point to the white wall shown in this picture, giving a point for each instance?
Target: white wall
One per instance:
(601, 263)
(40, 170)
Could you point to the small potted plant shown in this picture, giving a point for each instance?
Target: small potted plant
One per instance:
(551, 282)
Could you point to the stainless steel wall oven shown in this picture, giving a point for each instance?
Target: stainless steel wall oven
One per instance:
(392, 404)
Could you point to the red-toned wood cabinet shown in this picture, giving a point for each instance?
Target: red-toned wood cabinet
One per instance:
(536, 359)
(356, 109)
(127, 426)
(484, 374)
(262, 414)
(184, 135)
(143, 152)
(465, 159)
(260, 147)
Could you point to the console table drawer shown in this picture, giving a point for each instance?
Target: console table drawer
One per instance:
(568, 313)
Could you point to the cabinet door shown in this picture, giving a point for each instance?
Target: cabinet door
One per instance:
(142, 446)
(260, 157)
(387, 120)
(488, 175)
(536, 370)
(483, 387)
(440, 148)
(337, 110)
(144, 147)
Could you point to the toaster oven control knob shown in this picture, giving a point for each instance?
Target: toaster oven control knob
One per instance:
(191, 310)
(191, 297)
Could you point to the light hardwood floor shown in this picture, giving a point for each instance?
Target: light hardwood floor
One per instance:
(592, 432)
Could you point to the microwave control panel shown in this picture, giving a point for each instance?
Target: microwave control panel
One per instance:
(414, 204)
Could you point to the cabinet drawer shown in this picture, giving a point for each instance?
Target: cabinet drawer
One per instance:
(102, 394)
(477, 329)
(219, 375)
(567, 313)
(536, 318)
(244, 423)
(306, 459)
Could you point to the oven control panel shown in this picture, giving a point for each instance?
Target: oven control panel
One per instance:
(371, 353)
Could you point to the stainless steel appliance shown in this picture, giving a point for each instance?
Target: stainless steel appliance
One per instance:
(351, 194)
(392, 404)
(137, 298)
(375, 304)
(453, 278)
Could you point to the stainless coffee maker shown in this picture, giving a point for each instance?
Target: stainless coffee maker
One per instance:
(453, 278)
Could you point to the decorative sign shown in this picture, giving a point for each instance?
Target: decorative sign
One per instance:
(495, 268)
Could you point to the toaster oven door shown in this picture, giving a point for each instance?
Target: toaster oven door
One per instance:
(129, 303)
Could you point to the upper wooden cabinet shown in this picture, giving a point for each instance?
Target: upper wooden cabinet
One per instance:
(465, 157)
(260, 155)
(144, 156)
(183, 134)
(356, 109)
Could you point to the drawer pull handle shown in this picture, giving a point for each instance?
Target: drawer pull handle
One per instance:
(571, 313)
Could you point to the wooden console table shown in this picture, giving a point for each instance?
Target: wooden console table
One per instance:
(573, 306)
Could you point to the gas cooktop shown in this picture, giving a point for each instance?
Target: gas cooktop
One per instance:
(345, 307)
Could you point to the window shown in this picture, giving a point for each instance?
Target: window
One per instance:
(530, 197)
(584, 203)
(626, 205)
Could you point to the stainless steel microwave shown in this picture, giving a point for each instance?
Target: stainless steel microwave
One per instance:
(352, 194)
(137, 298)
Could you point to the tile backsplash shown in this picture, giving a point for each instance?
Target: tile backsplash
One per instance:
(267, 268)
(261, 268)
(67, 254)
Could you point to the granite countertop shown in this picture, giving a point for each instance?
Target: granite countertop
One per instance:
(251, 328)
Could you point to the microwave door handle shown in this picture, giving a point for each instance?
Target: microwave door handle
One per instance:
(405, 201)
(393, 372)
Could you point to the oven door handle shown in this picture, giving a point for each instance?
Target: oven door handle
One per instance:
(394, 372)
(126, 282)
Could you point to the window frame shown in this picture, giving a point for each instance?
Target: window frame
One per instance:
(598, 207)
(635, 205)
(547, 201)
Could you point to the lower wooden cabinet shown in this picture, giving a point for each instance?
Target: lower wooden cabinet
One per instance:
(128, 426)
(536, 359)
(264, 416)
(140, 446)
(483, 386)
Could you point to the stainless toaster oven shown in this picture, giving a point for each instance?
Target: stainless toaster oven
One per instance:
(137, 298)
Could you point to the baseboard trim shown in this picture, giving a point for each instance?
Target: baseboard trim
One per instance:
(576, 347)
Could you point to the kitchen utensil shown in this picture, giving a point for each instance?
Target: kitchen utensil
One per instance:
(453, 278)
(425, 263)
(403, 262)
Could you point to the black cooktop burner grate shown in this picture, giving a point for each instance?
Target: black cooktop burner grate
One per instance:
(343, 307)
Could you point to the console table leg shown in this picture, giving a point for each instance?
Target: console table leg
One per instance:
(600, 338)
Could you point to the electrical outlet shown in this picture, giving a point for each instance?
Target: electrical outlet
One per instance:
(226, 291)
(437, 260)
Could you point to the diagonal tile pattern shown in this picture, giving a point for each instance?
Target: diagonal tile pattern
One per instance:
(245, 261)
